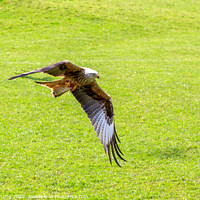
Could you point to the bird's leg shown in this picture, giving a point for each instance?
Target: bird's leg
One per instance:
(67, 83)
(73, 88)
(70, 86)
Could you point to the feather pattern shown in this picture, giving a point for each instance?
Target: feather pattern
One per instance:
(98, 106)
(58, 69)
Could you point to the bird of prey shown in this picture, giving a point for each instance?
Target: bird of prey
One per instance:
(80, 81)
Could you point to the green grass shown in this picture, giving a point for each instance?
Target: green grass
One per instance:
(147, 56)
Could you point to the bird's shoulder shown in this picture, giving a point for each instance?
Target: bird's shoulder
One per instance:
(95, 90)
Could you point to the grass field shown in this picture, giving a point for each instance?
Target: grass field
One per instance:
(147, 56)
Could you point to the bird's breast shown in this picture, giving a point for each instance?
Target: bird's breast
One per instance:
(78, 79)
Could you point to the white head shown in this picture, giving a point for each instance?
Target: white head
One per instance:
(91, 73)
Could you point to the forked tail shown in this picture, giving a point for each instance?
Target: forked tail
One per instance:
(58, 87)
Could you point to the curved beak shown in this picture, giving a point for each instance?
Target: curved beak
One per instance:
(97, 76)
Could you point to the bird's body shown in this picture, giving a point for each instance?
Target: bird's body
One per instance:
(94, 101)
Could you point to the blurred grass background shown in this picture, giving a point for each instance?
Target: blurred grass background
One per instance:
(147, 56)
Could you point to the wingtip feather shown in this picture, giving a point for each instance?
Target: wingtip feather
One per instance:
(113, 152)
(109, 154)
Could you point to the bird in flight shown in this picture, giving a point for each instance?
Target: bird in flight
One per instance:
(80, 81)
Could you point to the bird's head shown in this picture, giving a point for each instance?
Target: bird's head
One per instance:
(91, 73)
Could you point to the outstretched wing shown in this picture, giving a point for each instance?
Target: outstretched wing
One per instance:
(98, 106)
(57, 69)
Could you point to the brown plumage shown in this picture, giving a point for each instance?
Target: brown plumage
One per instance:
(94, 101)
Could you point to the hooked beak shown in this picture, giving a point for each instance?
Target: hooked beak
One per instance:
(97, 76)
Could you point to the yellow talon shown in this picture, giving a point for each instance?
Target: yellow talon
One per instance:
(67, 83)
(73, 88)
(70, 86)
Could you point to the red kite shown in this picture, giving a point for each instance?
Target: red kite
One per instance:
(94, 101)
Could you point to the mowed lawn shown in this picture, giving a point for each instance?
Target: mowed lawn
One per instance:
(147, 54)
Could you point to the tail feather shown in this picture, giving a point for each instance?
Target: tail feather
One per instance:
(58, 87)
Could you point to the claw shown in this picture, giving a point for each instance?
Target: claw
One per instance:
(67, 83)
(73, 88)
(70, 86)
